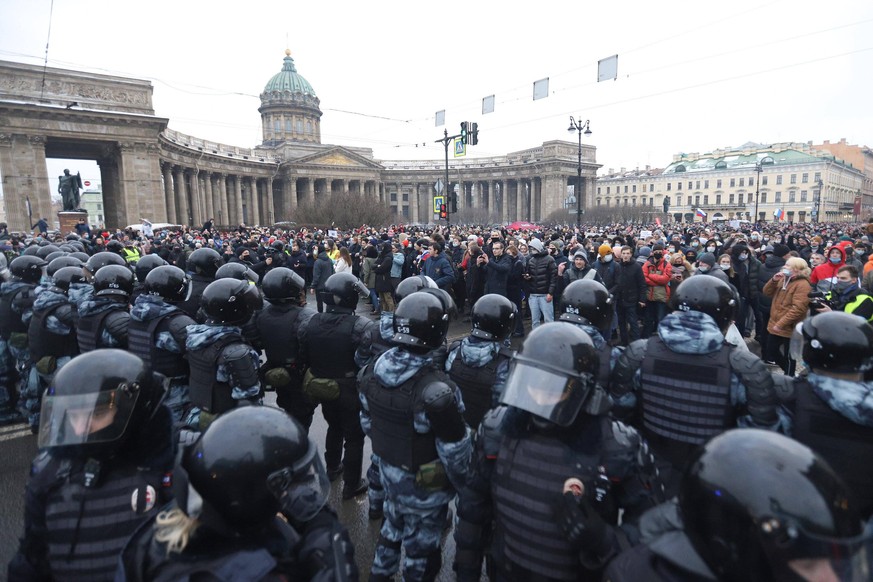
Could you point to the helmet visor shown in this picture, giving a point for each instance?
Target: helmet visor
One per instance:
(795, 346)
(843, 559)
(302, 490)
(545, 393)
(78, 419)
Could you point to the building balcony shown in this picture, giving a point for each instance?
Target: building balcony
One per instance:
(722, 207)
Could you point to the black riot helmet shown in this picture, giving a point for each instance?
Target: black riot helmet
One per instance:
(66, 276)
(113, 280)
(170, 283)
(839, 342)
(230, 301)
(81, 255)
(204, 262)
(146, 264)
(493, 317)
(553, 374)
(30, 251)
(27, 268)
(97, 400)
(102, 259)
(753, 500)
(587, 301)
(114, 246)
(44, 251)
(52, 256)
(62, 262)
(708, 295)
(277, 246)
(420, 322)
(236, 271)
(282, 285)
(412, 284)
(343, 290)
(254, 462)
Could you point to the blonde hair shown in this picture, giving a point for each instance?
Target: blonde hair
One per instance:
(175, 528)
(799, 265)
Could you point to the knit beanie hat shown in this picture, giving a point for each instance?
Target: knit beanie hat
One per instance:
(707, 258)
(645, 252)
(604, 250)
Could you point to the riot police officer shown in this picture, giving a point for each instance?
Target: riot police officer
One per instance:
(248, 466)
(551, 472)
(753, 506)
(102, 320)
(224, 368)
(157, 333)
(105, 467)
(328, 346)
(588, 304)
(413, 414)
(833, 414)
(16, 304)
(479, 364)
(51, 337)
(692, 384)
(143, 267)
(202, 264)
(101, 259)
(278, 326)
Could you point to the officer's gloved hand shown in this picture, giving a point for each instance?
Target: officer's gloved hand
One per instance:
(585, 529)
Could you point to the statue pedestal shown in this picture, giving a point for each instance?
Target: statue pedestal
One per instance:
(68, 220)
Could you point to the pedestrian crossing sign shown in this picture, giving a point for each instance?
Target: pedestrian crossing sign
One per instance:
(460, 148)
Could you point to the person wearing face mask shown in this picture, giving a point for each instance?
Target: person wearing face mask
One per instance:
(706, 266)
(745, 277)
(789, 290)
(772, 261)
(851, 256)
(847, 295)
(657, 271)
(824, 276)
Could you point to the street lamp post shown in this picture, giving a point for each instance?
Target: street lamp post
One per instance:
(580, 128)
(758, 170)
(816, 201)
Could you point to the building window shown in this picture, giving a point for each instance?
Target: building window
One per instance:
(733, 182)
(804, 179)
(816, 177)
(607, 189)
(406, 196)
(742, 182)
(790, 216)
(730, 198)
(668, 186)
(678, 200)
(598, 201)
(718, 183)
(651, 187)
(607, 202)
(634, 188)
(718, 199)
(625, 189)
(633, 201)
(691, 187)
(803, 195)
(791, 195)
(394, 197)
(308, 127)
(299, 126)
(706, 198)
(763, 180)
(276, 125)
(697, 200)
(740, 198)
(643, 201)
(99, 207)
(763, 198)
(625, 201)
(598, 190)
(705, 184)
(779, 180)
(793, 179)
(801, 216)
(778, 198)
(751, 182)
(678, 185)
(697, 187)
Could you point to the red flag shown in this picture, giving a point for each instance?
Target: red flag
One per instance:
(658, 220)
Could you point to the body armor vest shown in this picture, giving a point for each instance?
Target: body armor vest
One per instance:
(206, 391)
(605, 368)
(840, 441)
(277, 328)
(392, 413)
(142, 342)
(89, 328)
(330, 346)
(43, 342)
(88, 526)
(10, 321)
(476, 384)
(528, 475)
(685, 397)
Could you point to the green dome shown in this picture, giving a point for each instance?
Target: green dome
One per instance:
(289, 80)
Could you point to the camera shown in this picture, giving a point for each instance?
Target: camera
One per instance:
(817, 300)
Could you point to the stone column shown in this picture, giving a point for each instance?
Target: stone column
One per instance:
(179, 193)
(291, 197)
(237, 210)
(519, 199)
(222, 205)
(208, 188)
(255, 203)
(167, 172)
(23, 167)
(504, 199)
(414, 211)
(269, 212)
(345, 187)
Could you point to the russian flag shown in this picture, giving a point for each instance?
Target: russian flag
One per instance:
(778, 214)
(701, 214)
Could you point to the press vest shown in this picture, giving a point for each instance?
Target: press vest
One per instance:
(330, 346)
(130, 254)
(529, 474)
(10, 321)
(392, 414)
(476, 384)
(43, 342)
(845, 445)
(206, 391)
(88, 526)
(142, 340)
(277, 327)
(89, 328)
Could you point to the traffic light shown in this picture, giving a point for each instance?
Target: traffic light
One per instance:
(443, 213)
(473, 135)
(453, 202)
(464, 132)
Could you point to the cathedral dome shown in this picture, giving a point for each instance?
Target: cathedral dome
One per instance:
(288, 79)
(289, 108)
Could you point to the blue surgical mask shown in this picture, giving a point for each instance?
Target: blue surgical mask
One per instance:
(835, 260)
(744, 256)
(786, 272)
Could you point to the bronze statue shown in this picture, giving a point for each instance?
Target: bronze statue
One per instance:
(68, 187)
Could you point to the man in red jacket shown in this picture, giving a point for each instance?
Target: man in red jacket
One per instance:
(824, 277)
(657, 272)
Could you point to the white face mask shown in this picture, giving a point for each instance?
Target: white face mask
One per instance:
(607, 258)
(724, 267)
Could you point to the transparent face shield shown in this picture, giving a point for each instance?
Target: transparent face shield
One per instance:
(818, 558)
(302, 489)
(795, 346)
(545, 393)
(97, 417)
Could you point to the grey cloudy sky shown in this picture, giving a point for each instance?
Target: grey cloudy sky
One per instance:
(693, 76)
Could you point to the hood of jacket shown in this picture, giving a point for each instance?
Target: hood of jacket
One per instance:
(96, 305)
(690, 332)
(201, 335)
(49, 298)
(851, 399)
(774, 263)
(396, 366)
(477, 352)
(147, 307)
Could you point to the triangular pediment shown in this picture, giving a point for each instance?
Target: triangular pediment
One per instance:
(337, 156)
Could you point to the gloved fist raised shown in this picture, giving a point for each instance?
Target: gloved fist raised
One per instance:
(584, 528)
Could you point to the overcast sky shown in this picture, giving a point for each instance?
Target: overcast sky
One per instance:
(692, 76)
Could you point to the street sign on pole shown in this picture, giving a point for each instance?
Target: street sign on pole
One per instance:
(438, 186)
(437, 202)
(460, 149)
